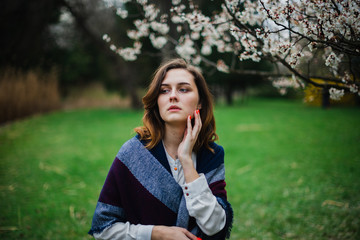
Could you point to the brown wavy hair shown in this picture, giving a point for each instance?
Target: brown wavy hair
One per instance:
(154, 127)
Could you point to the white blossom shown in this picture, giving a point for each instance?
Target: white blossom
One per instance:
(142, 2)
(176, 2)
(336, 94)
(354, 88)
(206, 49)
(186, 48)
(196, 60)
(220, 46)
(113, 47)
(106, 38)
(195, 35)
(130, 54)
(346, 78)
(176, 19)
(123, 13)
(282, 91)
(284, 82)
(313, 24)
(151, 12)
(158, 42)
(221, 66)
(142, 27)
(160, 27)
(332, 59)
(133, 34)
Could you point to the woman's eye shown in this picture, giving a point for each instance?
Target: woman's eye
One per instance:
(164, 90)
(183, 90)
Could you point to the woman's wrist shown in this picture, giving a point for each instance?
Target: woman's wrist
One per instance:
(190, 174)
(186, 161)
(155, 233)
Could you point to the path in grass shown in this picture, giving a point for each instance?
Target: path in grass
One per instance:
(293, 172)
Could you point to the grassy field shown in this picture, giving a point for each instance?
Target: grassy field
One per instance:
(293, 171)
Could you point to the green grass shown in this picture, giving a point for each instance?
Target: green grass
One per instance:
(293, 172)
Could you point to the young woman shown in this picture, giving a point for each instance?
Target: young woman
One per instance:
(168, 182)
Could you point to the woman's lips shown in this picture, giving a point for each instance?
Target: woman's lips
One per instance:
(174, 108)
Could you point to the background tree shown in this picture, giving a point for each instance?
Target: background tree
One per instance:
(26, 41)
(67, 36)
(91, 18)
(281, 32)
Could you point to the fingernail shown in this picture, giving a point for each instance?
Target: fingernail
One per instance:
(190, 117)
(198, 238)
(198, 111)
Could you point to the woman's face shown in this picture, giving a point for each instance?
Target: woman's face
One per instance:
(178, 96)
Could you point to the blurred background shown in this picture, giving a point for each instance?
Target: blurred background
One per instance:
(67, 103)
(53, 57)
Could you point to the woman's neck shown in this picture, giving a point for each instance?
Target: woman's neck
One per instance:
(172, 138)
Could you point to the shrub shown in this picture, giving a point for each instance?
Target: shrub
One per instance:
(26, 93)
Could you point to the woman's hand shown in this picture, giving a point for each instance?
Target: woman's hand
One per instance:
(186, 147)
(190, 136)
(171, 233)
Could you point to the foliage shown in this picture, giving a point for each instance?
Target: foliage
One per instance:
(24, 93)
(38, 41)
(97, 62)
(26, 41)
(292, 171)
(316, 96)
(282, 32)
(82, 64)
(94, 96)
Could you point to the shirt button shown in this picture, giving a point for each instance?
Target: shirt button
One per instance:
(186, 188)
(175, 168)
(187, 194)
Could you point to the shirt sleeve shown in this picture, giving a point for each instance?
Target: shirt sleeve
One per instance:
(125, 231)
(203, 206)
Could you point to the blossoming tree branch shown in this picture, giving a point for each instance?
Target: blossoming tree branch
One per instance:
(287, 33)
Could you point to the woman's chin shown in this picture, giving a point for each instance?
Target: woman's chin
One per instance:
(176, 120)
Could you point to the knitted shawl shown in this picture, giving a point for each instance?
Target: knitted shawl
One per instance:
(140, 188)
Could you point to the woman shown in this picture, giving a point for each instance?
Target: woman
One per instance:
(168, 182)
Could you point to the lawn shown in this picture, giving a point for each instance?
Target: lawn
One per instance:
(293, 171)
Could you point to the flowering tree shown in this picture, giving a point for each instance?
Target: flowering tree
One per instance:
(287, 33)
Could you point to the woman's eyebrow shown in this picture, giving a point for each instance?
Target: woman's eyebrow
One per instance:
(180, 83)
(184, 83)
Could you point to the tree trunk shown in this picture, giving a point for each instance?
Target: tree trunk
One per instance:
(229, 91)
(125, 75)
(325, 98)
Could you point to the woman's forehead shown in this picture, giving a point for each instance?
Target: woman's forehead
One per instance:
(177, 76)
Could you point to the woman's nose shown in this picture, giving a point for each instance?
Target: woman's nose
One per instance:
(173, 96)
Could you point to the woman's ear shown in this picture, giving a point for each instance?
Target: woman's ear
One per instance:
(199, 106)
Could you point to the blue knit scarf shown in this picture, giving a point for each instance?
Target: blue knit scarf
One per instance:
(140, 189)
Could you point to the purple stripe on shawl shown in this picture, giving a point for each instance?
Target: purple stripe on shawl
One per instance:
(110, 191)
(140, 206)
(218, 189)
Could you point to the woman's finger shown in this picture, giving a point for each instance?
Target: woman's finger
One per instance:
(189, 127)
(198, 124)
(189, 235)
